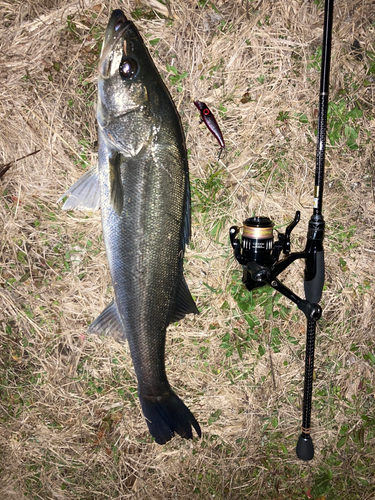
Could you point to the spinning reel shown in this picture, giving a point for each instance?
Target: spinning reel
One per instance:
(259, 255)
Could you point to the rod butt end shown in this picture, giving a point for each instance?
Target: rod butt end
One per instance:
(305, 448)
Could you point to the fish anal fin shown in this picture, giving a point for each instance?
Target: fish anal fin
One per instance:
(184, 303)
(115, 183)
(109, 323)
(85, 193)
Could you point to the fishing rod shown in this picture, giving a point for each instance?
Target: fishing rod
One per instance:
(259, 255)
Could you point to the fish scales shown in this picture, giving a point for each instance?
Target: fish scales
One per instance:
(144, 196)
(146, 265)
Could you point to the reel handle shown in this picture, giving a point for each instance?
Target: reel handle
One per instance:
(289, 229)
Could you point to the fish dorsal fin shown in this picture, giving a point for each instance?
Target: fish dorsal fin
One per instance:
(85, 193)
(115, 183)
(184, 304)
(109, 323)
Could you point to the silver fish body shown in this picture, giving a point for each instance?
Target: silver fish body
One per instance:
(145, 208)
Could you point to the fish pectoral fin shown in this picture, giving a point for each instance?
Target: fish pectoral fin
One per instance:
(109, 323)
(115, 183)
(184, 304)
(85, 193)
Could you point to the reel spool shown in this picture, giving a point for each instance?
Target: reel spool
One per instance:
(257, 240)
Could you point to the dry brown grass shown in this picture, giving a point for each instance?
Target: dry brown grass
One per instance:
(70, 423)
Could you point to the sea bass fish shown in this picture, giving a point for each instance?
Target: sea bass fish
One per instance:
(141, 184)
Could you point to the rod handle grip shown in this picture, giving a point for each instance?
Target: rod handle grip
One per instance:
(314, 287)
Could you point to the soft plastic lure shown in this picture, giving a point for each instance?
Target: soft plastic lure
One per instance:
(211, 123)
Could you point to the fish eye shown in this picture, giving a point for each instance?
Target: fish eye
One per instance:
(128, 68)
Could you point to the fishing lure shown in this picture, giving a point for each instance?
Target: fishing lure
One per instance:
(6, 166)
(211, 123)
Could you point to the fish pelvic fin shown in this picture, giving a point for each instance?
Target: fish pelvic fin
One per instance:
(116, 189)
(85, 193)
(184, 303)
(109, 323)
(167, 415)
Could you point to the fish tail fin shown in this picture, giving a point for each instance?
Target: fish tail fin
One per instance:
(167, 415)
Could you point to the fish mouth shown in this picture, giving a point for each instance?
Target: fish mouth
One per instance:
(117, 26)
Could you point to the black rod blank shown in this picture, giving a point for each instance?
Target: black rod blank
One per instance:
(323, 106)
(314, 270)
(305, 447)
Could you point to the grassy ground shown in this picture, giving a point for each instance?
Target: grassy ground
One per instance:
(70, 422)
